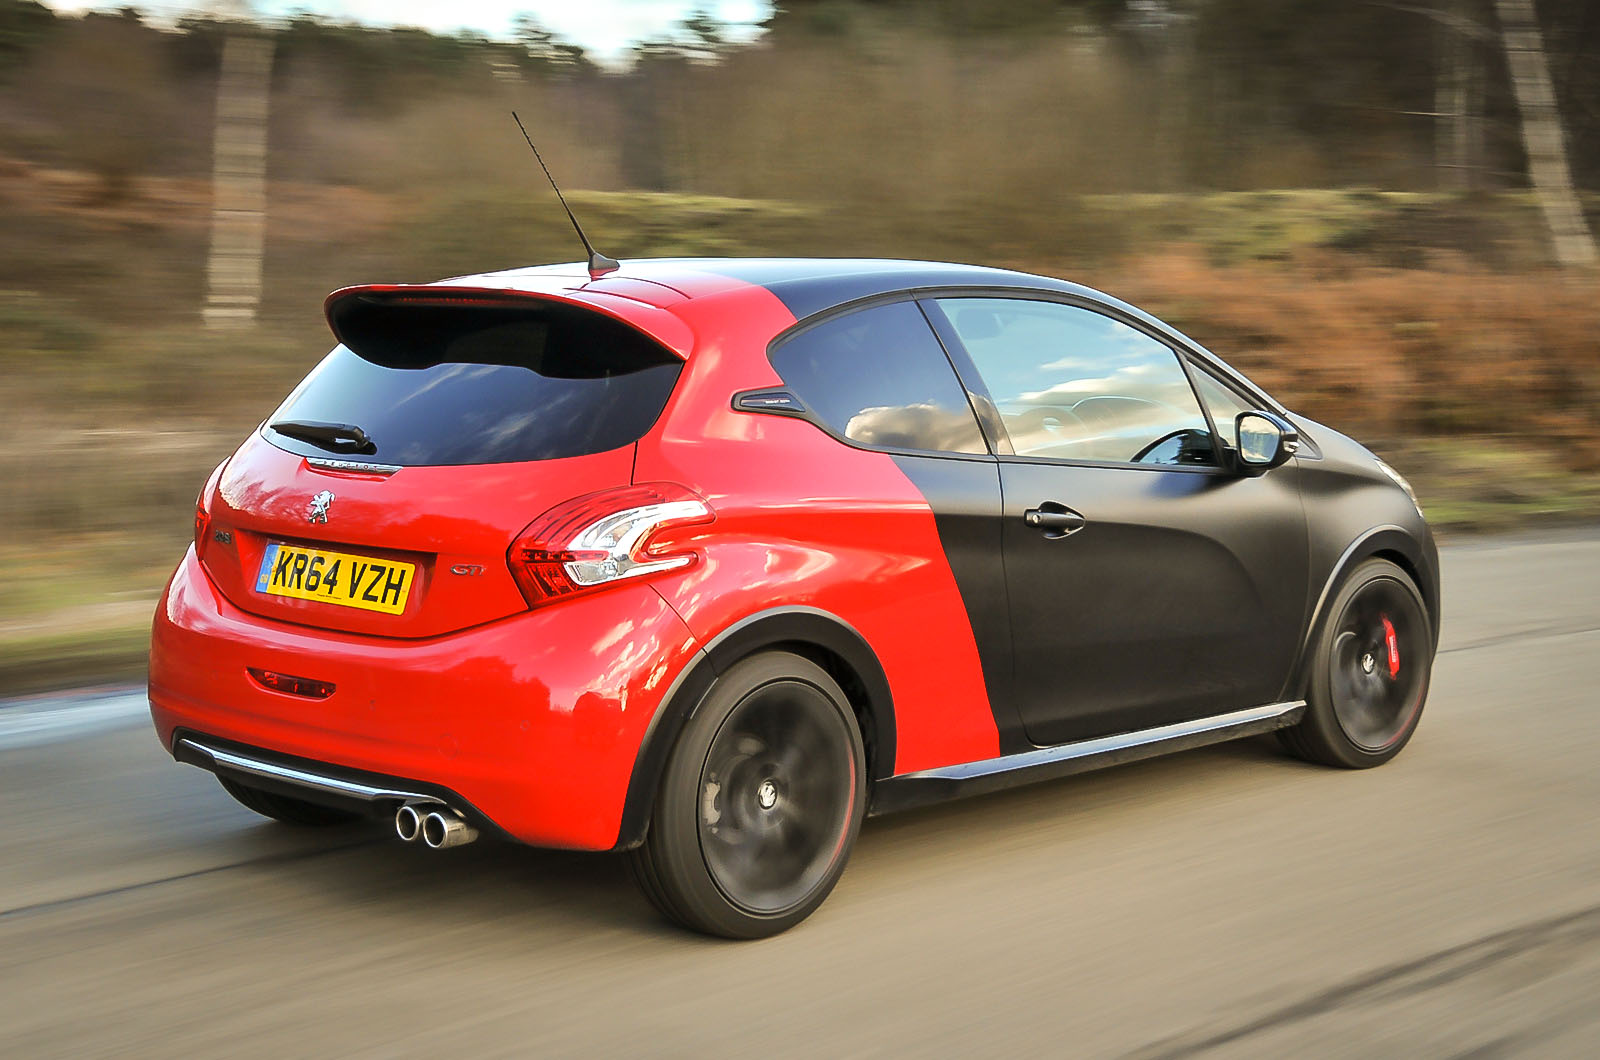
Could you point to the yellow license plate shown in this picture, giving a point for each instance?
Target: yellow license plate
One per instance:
(335, 578)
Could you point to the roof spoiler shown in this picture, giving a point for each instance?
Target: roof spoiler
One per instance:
(657, 324)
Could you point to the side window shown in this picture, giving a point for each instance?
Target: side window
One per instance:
(879, 377)
(1074, 384)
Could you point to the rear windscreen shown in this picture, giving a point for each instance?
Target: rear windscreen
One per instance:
(433, 384)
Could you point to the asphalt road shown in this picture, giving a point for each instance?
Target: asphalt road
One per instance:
(1228, 901)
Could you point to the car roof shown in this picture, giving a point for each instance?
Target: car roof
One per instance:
(805, 285)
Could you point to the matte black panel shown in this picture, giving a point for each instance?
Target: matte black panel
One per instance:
(1355, 511)
(811, 285)
(965, 498)
(1182, 596)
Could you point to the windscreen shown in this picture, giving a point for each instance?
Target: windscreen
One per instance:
(444, 384)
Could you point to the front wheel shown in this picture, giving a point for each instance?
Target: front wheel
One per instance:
(759, 804)
(1370, 668)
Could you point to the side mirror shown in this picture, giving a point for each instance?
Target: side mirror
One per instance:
(1263, 441)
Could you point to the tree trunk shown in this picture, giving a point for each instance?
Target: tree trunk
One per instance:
(1541, 132)
(239, 199)
(1452, 140)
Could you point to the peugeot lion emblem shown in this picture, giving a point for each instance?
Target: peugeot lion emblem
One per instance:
(317, 510)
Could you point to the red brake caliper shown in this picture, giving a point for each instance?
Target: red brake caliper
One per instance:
(1393, 644)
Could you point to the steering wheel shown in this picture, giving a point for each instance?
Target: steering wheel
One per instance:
(1182, 432)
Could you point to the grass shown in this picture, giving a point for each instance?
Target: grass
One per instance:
(107, 655)
(76, 609)
(1471, 485)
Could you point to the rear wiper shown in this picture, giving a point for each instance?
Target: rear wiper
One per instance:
(335, 437)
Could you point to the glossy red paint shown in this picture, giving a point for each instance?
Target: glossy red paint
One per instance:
(538, 716)
(436, 517)
(536, 732)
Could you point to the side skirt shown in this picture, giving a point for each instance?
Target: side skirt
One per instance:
(910, 790)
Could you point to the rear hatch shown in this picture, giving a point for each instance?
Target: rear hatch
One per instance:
(382, 496)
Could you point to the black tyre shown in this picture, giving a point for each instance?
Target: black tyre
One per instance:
(759, 804)
(1370, 667)
(283, 808)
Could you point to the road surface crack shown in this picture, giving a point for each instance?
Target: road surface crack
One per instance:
(1521, 634)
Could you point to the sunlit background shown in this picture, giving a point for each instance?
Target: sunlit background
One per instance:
(1335, 197)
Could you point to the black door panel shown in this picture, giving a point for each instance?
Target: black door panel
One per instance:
(1146, 583)
(1181, 595)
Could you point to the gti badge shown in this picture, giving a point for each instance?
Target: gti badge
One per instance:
(317, 510)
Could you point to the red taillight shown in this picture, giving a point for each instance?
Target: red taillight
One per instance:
(294, 686)
(202, 511)
(601, 538)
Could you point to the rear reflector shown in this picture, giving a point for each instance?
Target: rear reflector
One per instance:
(202, 524)
(294, 686)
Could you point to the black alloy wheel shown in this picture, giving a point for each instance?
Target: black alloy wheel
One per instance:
(760, 803)
(1370, 671)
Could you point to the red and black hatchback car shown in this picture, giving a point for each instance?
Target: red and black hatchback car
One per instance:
(705, 560)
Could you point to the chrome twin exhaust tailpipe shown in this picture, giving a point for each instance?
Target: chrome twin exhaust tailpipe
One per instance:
(442, 827)
(437, 825)
(407, 823)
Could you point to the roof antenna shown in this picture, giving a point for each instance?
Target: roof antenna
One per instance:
(599, 264)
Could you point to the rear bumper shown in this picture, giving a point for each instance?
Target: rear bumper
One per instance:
(311, 781)
(533, 722)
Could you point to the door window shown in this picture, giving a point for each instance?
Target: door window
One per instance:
(1073, 384)
(880, 378)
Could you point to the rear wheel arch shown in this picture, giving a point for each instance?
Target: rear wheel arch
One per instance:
(819, 636)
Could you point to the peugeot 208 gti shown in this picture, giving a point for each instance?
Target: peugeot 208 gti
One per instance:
(705, 560)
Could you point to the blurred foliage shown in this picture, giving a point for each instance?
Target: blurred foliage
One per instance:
(24, 25)
(1101, 95)
(451, 236)
(1392, 355)
(1357, 82)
